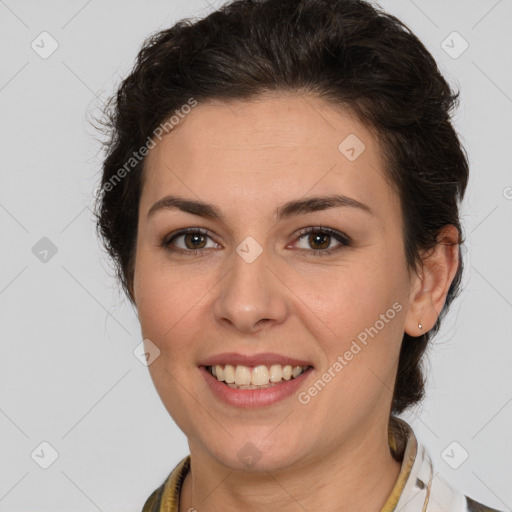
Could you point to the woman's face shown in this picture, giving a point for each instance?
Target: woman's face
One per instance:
(265, 283)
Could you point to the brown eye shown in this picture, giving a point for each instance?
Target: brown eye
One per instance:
(192, 240)
(320, 239)
(195, 240)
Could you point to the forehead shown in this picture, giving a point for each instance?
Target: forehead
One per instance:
(266, 151)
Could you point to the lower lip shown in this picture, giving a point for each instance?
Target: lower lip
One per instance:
(253, 397)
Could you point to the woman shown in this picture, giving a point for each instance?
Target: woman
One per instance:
(281, 198)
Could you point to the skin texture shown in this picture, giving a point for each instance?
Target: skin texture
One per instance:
(248, 158)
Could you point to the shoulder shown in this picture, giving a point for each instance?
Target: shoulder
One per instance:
(425, 489)
(475, 506)
(168, 493)
(447, 498)
(154, 501)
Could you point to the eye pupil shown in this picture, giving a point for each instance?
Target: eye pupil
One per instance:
(315, 238)
(194, 237)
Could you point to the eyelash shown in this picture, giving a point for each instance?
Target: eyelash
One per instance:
(345, 240)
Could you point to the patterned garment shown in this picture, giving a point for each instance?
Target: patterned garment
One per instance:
(417, 489)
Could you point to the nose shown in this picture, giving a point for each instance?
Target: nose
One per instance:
(251, 296)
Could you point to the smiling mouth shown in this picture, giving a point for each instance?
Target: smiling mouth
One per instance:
(255, 377)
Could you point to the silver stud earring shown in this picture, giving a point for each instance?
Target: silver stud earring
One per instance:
(419, 325)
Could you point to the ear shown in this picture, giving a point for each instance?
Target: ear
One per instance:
(429, 290)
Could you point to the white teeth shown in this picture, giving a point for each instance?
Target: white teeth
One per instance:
(261, 376)
(297, 370)
(229, 374)
(242, 375)
(219, 372)
(276, 374)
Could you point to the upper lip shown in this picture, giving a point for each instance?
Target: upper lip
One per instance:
(265, 358)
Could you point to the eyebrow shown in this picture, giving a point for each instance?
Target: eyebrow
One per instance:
(289, 209)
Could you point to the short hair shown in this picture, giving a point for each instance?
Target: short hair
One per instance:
(347, 52)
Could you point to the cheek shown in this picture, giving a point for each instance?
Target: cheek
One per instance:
(361, 343)
(344, 298)
(355, 311)
(168, 301)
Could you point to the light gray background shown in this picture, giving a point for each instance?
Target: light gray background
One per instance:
(67, 372)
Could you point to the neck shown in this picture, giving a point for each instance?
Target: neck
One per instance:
(347, 479)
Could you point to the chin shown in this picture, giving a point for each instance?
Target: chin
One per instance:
(257, 452)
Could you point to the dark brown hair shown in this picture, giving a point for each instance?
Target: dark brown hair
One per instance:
(347, 52)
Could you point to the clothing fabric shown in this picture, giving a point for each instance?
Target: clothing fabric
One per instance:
(417, 488)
